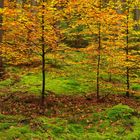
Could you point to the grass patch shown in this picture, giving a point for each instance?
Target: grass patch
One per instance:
(57, 84)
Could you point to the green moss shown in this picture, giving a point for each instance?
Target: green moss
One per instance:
(115, 123)
(59, 85)
(119, 112)
(6, 125)
(136, 87)
(5, 83)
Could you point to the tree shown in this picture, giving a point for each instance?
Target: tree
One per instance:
(131, 49)
(43, 48)
(1, 36)
(37, 34)
(99, 20)
(99, 53)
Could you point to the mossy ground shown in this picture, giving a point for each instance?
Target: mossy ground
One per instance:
(117, 123)
(73, 75)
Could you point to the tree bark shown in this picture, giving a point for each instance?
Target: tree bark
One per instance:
(98, 58)
(1, 35)
(127, 53)
(43, 51)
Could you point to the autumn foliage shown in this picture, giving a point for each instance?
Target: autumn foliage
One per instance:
(105, 30)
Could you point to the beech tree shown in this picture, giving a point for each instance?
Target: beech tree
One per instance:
(37, 33)
(109, 25)
(100, 21)
(131, 48)
(1, 36)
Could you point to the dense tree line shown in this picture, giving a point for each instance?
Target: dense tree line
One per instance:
(107, 30)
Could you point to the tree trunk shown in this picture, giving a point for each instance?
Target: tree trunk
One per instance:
(98, 64)
(99, 57)
(1, 35)
(43, 51)
(127, 53)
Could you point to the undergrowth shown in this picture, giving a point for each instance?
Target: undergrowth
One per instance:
(117, 123)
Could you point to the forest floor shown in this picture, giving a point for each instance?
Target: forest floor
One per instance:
(61, 105)
(71, 117)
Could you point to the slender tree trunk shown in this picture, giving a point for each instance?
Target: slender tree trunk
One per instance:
(43, 51)
(98, 65)
(127, 53)
(98, 59)
(1, 35)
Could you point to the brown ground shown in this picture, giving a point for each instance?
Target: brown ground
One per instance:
(60, 106)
